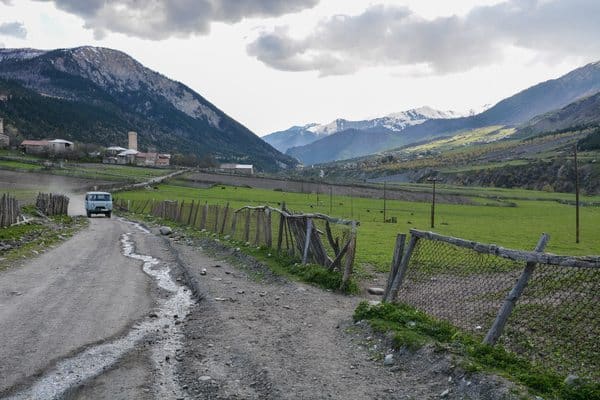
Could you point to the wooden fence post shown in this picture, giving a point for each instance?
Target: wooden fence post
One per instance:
(258, 218)
(512, 297)
(395, 287)
(268, 228)
(280, 232)
(204, 215)
(190, 213)
(398, 251)
(349, 257)
(217, 209)
(196, 213)
(247, 226)
(307, 240)
(224, 218)
(233, 224)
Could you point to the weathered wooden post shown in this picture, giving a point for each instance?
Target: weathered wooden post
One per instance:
(281, 228)
(258, 218)
(224, 218)
(349, 257)
(268, 228)
(216, 228)
(395, 287)
(512, 297)
(189, 219)
(233, 224)
(397, 257)
(204, 215)
(247, 226)
(307, 240)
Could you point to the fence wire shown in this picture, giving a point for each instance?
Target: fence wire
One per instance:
(555, 323)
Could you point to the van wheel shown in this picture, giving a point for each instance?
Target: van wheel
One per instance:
(108, 214)
(89, 214)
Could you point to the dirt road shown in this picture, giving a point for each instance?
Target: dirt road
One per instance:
(79, 308)
(105, 315)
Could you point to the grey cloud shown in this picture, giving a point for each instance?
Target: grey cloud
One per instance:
(16, 29)
(160, 19)
(395, 36)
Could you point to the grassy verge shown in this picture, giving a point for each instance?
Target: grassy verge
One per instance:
(412, 328)
(288, 267)
(31, 239)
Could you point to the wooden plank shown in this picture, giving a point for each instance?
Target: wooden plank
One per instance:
(233, 225)
(307, 240)
(268, 228)
(396, 258)
(258, 218)
(204, 215)
(189, 219)
(224, 218)
(349, 259)
(280, 232)
(216, 227)
(512, 297)
(334, 244)
(247, 226)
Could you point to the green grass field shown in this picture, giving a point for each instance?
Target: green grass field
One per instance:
(515, 227)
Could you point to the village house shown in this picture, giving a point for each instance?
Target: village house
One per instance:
(34, 146)
(120, 155)
(46, 146)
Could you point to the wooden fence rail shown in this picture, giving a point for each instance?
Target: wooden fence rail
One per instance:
(9, 210)
(52, 204)
(298, 233)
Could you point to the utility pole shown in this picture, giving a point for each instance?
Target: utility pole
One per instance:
(433, 180)
(576, 196)
(384, 201)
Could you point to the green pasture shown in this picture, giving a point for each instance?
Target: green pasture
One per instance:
(119, 173)
(515, 227)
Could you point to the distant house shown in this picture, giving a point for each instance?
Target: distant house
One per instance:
(127, 156)
(59, 145)
(152, 159)
(34, 146)
(43, 146)
(247, 169)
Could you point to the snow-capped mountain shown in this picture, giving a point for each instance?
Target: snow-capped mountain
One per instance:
(395, 122)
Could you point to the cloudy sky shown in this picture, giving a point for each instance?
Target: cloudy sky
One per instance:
(272, 64)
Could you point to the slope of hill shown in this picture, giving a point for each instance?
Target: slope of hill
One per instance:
(584, 112)
(118, 94)
(517, 109)
(302, 135)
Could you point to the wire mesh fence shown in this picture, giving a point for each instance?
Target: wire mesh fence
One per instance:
(555, 321)
(313, 238)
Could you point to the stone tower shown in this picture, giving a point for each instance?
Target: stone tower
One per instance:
(132, 140)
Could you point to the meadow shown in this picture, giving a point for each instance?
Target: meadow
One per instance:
(518, 226)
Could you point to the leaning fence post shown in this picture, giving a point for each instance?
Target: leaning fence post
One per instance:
(398, 252)
(512, 297)
(307, 240)
(395, 287)
(349, 257)
(224, 218)
(268, 226)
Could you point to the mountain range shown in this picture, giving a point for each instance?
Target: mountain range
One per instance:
(521, 109)
(96, 95)
(302, 135)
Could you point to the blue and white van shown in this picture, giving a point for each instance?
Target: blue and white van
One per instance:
(98, 203)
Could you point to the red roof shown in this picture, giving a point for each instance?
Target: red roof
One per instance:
(34, 143)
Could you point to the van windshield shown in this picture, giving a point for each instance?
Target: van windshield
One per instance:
(99, 197)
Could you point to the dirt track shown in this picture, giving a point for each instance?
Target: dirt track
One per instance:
(106, 316)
